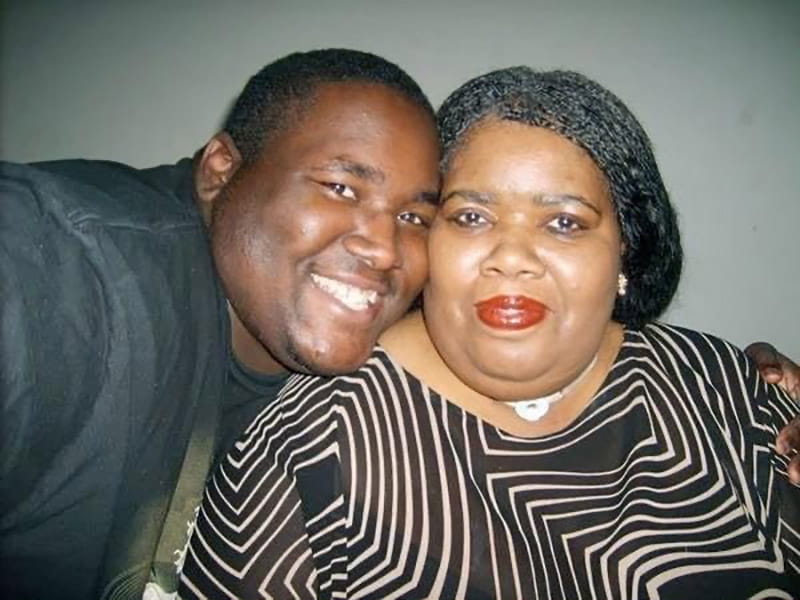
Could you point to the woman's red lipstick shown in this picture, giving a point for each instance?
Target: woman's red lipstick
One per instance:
(510, 312)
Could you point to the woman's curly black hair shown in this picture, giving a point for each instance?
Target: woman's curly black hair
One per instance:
(590, 116)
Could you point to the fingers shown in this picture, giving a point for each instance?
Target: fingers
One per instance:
(787, 444)
(767, 359)
(775, 367)
(794, 470)
(788, 439)
(791, 377)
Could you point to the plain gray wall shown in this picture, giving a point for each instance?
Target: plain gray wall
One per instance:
(716, 84)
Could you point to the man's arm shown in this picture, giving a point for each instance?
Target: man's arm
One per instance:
(52, 341)
(776, 368)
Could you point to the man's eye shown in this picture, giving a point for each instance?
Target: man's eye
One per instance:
(340, 189)
(414, 219)
(565, 224)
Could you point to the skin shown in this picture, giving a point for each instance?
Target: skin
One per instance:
(347, 192)
(776, 368)
(253, 218)
(466, 219)
(537, 221)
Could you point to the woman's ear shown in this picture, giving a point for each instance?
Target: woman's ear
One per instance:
(217, 163)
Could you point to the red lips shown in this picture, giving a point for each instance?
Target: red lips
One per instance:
(510, 312)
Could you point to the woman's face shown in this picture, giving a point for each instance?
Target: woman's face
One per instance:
(524, 257)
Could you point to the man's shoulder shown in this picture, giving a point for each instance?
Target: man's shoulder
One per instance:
(105, 192)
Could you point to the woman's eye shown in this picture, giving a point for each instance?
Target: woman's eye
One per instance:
(341, 189)
(414, 219)
(565, 224)
(468, 218)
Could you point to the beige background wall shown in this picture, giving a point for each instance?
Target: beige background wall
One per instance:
(716, 83)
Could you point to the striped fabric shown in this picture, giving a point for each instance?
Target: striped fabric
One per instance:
(374, 486)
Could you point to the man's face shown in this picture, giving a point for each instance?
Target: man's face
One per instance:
(321, 241)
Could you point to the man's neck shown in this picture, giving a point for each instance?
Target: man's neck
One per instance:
(249, 351)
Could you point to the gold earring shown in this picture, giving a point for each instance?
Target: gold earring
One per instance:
(622, 284)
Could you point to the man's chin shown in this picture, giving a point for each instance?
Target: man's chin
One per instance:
(327, 363)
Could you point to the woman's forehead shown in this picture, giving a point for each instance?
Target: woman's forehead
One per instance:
(507, 146)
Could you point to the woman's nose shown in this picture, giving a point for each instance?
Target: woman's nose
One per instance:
(515, 254)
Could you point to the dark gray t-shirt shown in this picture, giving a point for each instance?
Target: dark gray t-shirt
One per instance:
(246, 395)
(113, 334)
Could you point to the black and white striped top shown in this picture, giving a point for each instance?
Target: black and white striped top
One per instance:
(374, 486)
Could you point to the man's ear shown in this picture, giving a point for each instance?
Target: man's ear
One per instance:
(219, 160)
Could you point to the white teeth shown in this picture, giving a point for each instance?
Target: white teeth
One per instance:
(352, 297)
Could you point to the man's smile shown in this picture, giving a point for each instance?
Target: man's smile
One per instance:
(354, 298)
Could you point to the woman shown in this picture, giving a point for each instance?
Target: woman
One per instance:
(532, 433)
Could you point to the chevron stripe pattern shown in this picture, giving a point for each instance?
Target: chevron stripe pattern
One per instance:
(375, 486)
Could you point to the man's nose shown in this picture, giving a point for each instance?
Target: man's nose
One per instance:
(375, 241)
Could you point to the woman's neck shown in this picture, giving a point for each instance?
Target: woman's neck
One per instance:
(409, 344)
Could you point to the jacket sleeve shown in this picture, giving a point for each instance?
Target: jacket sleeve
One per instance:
(52, 338)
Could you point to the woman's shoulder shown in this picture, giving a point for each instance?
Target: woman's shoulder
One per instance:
(302, 419)
(408, 343)
(307, 395)
(707, 367)
(703, 365)
(408, 331)
(693, 348)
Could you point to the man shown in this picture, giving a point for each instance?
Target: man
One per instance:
(293, 239)
(115, 328)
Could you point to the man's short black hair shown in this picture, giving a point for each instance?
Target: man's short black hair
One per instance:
(590, 116)
(275, 95)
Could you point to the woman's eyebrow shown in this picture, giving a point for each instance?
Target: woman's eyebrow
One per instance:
(470, 195)
(549, 199)
(540, 199)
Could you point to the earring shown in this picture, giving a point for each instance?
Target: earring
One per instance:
(622, 284)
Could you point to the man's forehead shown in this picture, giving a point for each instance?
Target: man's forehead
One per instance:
(350, 114)
(344, 164)
(366, 130)
(349, 97)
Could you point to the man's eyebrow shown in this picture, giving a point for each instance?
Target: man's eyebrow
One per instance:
(360, 170)
(428, 197)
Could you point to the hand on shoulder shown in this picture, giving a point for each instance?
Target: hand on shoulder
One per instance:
(777, 368)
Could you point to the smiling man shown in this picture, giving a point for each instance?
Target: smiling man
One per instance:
(294, 238)
(320, 238)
